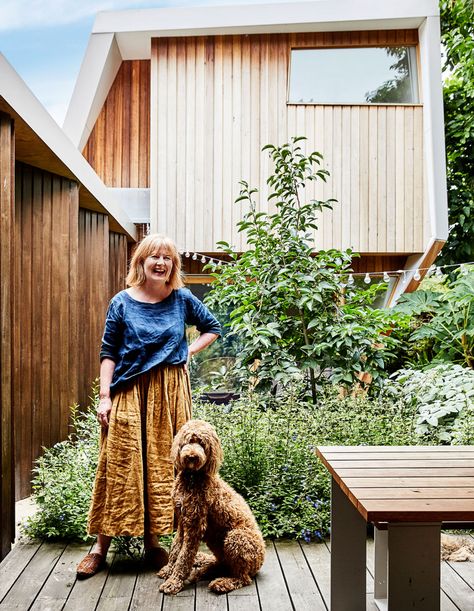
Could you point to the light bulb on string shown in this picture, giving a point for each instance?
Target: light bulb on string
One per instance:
(367, 278)
(417, 275)
(186, 254)
(386, 277)
(439, 272)
(203, 260)
(194, 257)
(430, 271)
(219, 264)
(350, 280)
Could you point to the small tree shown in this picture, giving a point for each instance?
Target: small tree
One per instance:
(292, 307)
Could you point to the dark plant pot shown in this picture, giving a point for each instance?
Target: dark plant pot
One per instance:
(220, 397)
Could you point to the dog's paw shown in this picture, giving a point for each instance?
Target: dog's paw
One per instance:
(165, 572)
(172, 586)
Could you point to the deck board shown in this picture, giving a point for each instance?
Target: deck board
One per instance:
(295, 577)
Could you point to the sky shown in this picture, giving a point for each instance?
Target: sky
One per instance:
(45, 40)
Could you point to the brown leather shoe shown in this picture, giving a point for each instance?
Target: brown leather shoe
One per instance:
(156, 557)
(90, 565)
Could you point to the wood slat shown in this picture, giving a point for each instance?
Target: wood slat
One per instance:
(400, 463)
(7, 333)
(356, 450)
(302, 588)
(355, 458)
(271, 584)
(425, 472)
(413, 493)
(417, 510)
(400, 482)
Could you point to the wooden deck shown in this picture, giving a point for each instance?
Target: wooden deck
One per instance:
(295, 577)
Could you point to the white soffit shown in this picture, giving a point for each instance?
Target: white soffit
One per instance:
(135, 28)
(17, 95)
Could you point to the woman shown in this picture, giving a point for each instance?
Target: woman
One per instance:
(144, 399)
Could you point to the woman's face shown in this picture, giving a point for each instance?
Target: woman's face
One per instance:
(158, 266)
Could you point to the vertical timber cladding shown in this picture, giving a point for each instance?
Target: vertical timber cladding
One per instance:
(102, 270)
(218, 99)
(94, 295)
(46, 314)
(118, 147)
(7, 252)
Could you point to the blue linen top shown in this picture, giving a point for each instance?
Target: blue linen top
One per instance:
(139, 336)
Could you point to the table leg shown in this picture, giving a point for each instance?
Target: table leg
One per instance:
(380, 565)
(348, 554)
(414, 567)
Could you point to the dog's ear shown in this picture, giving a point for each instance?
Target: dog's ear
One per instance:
(175, 447)
(216, 455)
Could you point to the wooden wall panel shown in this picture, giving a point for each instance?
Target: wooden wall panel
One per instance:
(7, 257)
(217, 100)
(119, 145)
(118, 257)
(94, 294)
(45, 314)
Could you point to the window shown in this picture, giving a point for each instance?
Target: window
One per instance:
(374, 75)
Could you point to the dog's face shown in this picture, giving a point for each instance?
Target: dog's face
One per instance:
(196, 447)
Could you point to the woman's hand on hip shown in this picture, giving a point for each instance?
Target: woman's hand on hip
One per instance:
(103, 411)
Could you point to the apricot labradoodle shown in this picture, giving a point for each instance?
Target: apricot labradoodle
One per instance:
(209, 510)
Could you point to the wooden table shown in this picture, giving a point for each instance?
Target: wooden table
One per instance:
(406, 492)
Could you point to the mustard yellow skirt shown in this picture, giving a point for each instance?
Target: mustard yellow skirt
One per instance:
(132, 490)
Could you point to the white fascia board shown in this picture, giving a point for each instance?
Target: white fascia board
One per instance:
(192, 21)
(433, 128)
(98, 71)
(135, 28)
(17, 95)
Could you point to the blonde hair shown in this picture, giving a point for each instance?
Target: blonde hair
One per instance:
(149, 245)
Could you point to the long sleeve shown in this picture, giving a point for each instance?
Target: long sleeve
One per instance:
(112, 337)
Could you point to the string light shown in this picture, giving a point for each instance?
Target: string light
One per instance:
(367, 276)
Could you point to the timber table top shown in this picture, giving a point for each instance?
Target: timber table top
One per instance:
(405, 483)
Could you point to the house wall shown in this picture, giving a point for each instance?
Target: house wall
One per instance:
(102, 259)
(7, 255)
(216, 100)
(67, 267)
(119, 145)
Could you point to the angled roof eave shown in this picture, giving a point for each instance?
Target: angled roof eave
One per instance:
(123, 35)
(43, 144)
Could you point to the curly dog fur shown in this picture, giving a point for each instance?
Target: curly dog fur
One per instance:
(209, 510)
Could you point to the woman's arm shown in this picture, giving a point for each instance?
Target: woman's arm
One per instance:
(107, 368)
(203, 341)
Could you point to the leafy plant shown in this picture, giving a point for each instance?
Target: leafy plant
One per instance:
(63, 480)
(457, 37)
(445, 320)
(440, 395)
(290, 306)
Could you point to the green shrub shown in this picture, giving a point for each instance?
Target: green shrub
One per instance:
(443, 397)
(63, 480)
(269, 452)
